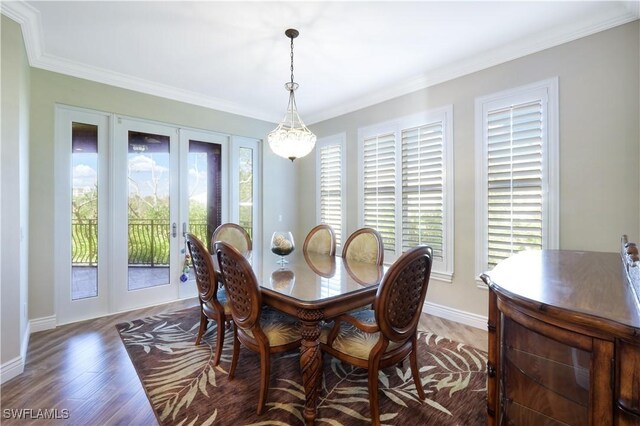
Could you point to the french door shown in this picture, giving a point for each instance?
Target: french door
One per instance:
(203, 192)
(81, 203)
(146, 214)
(134, 189)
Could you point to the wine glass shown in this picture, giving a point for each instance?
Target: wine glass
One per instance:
(282, 244)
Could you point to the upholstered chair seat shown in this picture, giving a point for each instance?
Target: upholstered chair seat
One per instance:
(222, 298)
(279, 328)
(353, 341)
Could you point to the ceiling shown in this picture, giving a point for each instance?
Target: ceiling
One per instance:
(234, 56)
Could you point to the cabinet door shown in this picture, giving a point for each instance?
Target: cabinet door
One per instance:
(553, 376)
(628, 390)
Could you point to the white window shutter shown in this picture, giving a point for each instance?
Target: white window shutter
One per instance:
(514, 180)
(379, 179)
(422, 188)
(331, 188)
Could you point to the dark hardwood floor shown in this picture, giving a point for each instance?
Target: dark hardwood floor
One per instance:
(84, 368)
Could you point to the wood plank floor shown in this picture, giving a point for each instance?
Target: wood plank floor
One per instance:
(84, 368)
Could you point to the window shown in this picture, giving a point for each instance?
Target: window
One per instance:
(517, 188)
(330, 183)
(406, 184)
(245, 208)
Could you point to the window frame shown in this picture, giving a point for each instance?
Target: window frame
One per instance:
(442, 270)
(341, 140)
(545, 91)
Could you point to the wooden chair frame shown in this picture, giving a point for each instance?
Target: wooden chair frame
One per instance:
(207, 283)
(315, 230)
(355, 234)
(245, 298)
(397, 308)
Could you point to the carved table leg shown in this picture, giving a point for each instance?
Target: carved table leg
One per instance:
(310, 360)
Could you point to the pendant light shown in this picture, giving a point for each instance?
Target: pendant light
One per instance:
(291, 139)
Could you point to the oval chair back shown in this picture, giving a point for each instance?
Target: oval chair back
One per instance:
(364, 245)
(401, 294)
(233, 234)
(321, 239)
(241, 285)
(206, 279)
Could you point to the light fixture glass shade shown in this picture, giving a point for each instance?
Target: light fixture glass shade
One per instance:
(291, 139)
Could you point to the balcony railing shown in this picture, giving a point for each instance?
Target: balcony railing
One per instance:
(148, 241)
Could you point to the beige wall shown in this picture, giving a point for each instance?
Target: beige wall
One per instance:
(48, 88)
(599, 148)
(14, 198)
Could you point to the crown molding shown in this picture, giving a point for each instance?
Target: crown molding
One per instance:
(30, 22)
(479, 62)
(29, 19)
(124, 81)
(634, 7)
(31, 25)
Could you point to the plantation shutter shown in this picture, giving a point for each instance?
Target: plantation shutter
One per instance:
(515, 176)
(422, 188)
(331, 188)
(380, 187)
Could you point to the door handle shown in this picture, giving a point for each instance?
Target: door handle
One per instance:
(184, 229)
(174, 230)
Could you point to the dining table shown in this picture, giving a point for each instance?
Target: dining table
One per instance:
(314, 288)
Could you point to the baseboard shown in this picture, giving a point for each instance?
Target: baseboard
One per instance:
(11, 369)
(463, 317)
(42, 324)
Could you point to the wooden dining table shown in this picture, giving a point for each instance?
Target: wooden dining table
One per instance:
(313, 288)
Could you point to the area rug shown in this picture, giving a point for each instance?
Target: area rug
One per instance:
(184, 388)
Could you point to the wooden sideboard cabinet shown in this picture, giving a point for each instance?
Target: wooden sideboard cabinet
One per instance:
(564, 340)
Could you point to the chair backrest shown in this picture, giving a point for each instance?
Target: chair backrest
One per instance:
(206, 279)
(241, 285)
(401, 294)
(321, 239)
(233, 234)
(364, 245)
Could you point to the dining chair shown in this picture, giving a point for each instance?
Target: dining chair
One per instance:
(321, 239)
(364, 245)
(387, 334)
(213, 300)
(264, 331)
(233, 234)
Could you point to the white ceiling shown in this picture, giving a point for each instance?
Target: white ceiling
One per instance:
(234, 56)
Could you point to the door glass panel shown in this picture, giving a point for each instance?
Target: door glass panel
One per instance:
(245, 158)
(148, 210)
(205, 191)
(84, 211)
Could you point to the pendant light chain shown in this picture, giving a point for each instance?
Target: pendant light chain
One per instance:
(292, 61)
